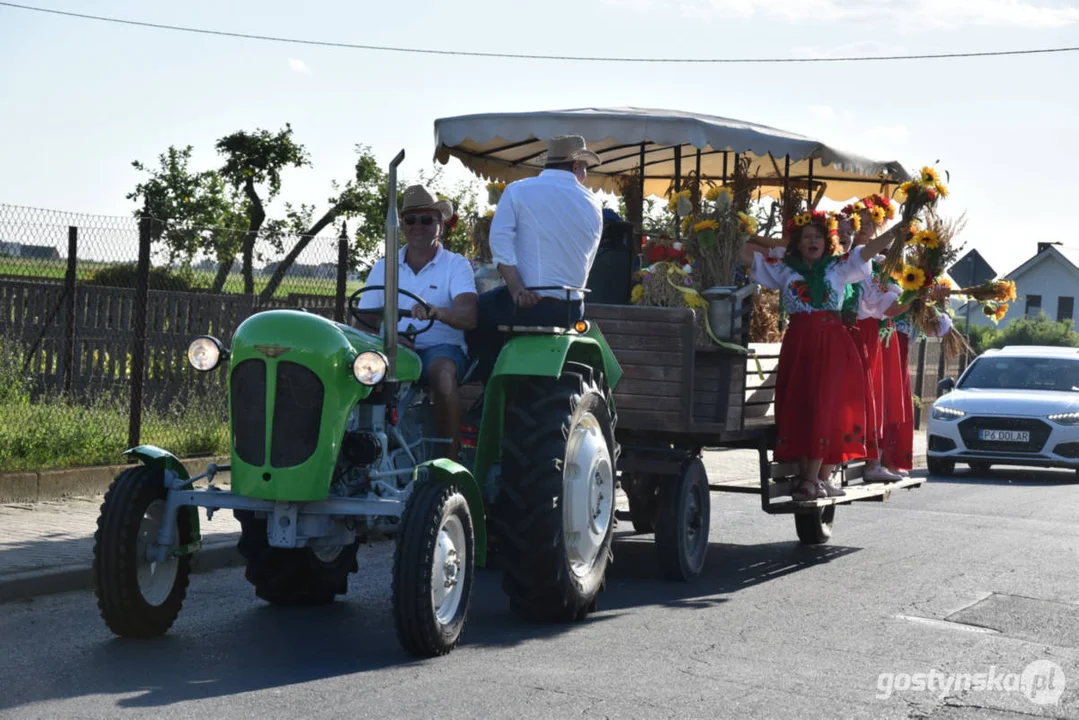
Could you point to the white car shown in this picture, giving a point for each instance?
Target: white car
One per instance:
(1016, 406)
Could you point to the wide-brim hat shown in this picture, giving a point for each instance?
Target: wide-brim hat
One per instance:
(566, 148)
(417, 197)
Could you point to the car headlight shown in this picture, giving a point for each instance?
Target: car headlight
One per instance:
(946, 413)
(1065, 418)
(369, 367)
(205, 353)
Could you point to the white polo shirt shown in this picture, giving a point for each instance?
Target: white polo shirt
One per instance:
(438, 283)
(549, 227)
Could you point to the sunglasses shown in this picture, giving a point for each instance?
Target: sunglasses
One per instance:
(421, 219)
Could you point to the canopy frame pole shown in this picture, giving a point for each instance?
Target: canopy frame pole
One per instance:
(809, 187)
(724, 168)
(677, 188)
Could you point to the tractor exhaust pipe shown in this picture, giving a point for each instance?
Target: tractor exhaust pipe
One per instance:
(389, 312)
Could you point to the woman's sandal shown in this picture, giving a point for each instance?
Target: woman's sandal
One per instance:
(807, 490)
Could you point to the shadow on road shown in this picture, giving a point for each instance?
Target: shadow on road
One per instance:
(225, 645)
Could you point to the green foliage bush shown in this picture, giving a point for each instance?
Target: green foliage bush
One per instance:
(1039, 330)
(53, 432)
(160, 278)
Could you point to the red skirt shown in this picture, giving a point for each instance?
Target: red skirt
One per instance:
(897, 448)
(820, 393)
(866, 335)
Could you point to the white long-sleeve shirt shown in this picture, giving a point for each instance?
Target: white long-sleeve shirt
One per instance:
(549, 227)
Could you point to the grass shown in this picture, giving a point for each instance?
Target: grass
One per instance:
(55, 433)
(234, 284)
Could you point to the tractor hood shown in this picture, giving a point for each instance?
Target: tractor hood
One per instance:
(325, 346)
(291, 390)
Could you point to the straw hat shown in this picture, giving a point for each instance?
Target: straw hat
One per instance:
(566, 148)
(417, 197)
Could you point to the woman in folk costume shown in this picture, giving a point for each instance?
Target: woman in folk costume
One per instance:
(819, 395)
(868, 303)
(897, 445)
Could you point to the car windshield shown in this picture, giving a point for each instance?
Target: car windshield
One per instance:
(1023, 373)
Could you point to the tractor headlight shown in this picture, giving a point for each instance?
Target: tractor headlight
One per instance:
(205, 353)
(369, 367)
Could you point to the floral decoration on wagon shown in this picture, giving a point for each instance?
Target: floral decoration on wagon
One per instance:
(917, 195)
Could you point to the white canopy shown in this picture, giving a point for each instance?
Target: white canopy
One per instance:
(511, 146)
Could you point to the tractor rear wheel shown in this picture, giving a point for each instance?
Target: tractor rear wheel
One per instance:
(292, 576)
(555, 513)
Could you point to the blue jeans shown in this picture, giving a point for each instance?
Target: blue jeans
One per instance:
(496, 307)
(447, 350)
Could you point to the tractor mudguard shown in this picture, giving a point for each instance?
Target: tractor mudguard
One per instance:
(535, 356)
(445, 470)
(156, 457)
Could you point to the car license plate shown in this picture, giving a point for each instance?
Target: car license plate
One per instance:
(1006, 435)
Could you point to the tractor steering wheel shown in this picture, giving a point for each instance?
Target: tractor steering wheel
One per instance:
(358, 312)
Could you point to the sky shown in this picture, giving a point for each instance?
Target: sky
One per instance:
(81, 99)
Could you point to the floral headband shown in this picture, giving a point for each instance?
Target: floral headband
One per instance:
(827, 225)
(880, 209)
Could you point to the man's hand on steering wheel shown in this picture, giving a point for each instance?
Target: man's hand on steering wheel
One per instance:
(421, 312)
(406, 336)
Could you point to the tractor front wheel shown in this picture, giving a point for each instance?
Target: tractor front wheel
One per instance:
(138, 597)
(292, 576)
(555, 513)
(433, 568)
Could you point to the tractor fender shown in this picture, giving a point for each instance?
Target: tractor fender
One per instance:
(545, 355)
(154, 456)
(444, 470)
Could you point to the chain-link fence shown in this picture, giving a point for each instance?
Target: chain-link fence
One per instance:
(96, 313)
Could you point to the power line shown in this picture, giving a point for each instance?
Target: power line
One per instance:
(523, 56)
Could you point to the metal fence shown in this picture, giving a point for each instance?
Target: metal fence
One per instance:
(95, 321)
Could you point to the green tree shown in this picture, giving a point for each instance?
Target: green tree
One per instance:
(363, 196)
(195, 211)
(1039, 330)
(253, 165)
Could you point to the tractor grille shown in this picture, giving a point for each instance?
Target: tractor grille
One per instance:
(969, 429)
(249, 411)
(297, 415)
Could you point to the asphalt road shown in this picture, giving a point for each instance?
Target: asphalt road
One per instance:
(964, 575)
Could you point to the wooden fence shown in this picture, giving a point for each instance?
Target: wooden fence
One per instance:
(90, 351)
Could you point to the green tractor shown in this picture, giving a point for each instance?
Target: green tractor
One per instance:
(332, 446)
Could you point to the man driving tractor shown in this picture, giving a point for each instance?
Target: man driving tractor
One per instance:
(445, 281)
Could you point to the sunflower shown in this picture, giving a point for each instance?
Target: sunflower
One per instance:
(672, 204)
(878, 214)
(802, 220)
(706, 225)
(926, 237)
(941, 189)
(912, 278)
(930, 176)
(717, 190)
(1005, 291)
(1000, 312)
(903, 191)
(747, 223)
(858, 206)
(856, 222)
(636, 294)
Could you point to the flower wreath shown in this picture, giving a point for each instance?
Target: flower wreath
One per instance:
(829, 226)
(880, 208)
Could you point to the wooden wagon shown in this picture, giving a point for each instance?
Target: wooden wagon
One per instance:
(675, 399)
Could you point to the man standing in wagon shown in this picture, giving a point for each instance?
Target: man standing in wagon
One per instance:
(545, 232)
